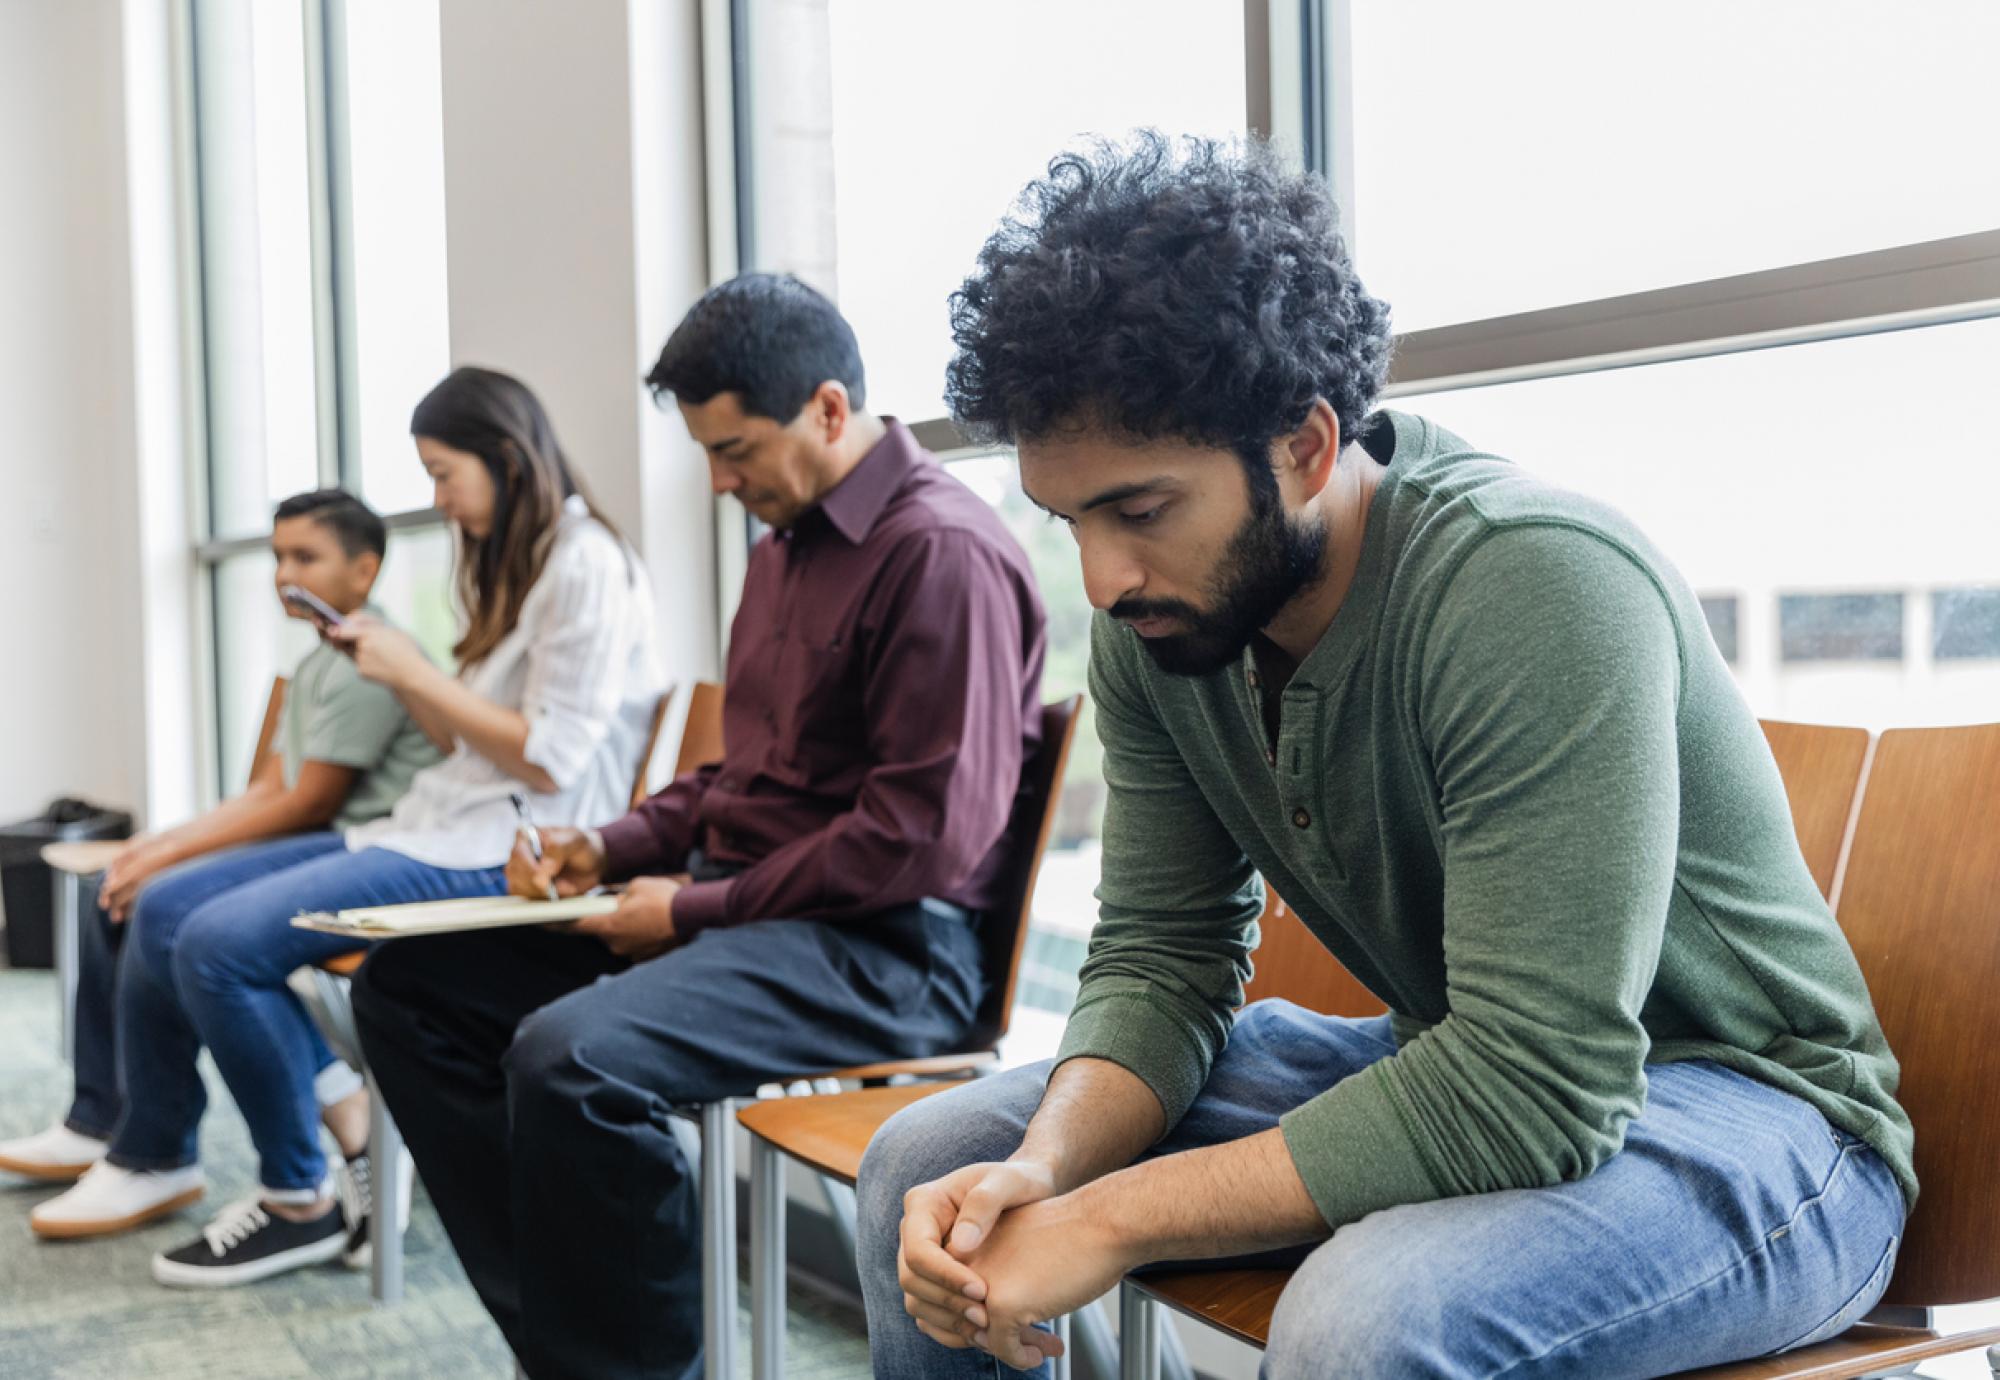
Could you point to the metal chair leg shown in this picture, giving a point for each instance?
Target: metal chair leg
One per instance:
(385, 1224)
(1173, 1360)
(718, 1239)
(767, 1261)
(1059, 1369)
(1095, 1349)
(1138, 1335)
(68, 958)
(840, 1211)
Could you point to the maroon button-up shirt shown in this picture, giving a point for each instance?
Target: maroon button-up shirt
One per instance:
(885, 671)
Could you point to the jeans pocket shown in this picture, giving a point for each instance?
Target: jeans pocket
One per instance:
(1855, 1308)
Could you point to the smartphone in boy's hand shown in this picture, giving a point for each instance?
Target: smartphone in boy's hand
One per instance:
(312, 606)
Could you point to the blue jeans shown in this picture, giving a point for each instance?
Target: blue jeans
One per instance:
(1735, 1222)
(205, 964)
(95, 1107)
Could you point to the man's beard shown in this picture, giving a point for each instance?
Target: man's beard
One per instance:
(1269, 560)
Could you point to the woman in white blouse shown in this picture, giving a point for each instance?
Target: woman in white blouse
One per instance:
(558, 677)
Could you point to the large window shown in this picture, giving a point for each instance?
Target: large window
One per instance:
(1510, 157)
(319, 185)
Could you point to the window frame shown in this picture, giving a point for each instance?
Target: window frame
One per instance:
(329, 185)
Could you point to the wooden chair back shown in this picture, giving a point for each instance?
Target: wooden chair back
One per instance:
(1006, 931)
(267, 734)
(642, 775)
(1292, 964)
(701, 732)
(1821, 766)
(1920, 903)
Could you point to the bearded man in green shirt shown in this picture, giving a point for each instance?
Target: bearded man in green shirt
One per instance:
(1631, 1110)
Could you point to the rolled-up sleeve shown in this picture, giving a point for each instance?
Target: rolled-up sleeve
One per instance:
(580, 616)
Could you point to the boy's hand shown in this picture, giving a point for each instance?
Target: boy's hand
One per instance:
(130, 870)
(572, 862)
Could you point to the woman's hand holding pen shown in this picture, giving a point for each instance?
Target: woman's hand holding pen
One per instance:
(572, 862)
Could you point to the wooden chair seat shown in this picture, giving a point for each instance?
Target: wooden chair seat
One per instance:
(1240, 1303)
(828, 1134)
(936, 1066)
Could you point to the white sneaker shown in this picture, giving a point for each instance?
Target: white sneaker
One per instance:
(57, 1154)
(108, 1199)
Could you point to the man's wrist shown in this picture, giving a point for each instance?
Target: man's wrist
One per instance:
(1107, 1203)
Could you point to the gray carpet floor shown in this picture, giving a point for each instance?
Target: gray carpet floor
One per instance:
(90, 1310)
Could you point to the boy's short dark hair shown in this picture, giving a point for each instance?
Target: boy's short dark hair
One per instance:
(766, 337)
(353, 523)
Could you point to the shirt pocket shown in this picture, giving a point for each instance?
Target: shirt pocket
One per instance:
(825, 728)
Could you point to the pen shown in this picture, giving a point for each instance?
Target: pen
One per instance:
(527, 830)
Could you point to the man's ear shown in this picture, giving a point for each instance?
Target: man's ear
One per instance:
(830, 410)
(368, 565)
(1308, 453)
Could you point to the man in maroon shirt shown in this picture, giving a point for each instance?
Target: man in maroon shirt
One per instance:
(812, 901)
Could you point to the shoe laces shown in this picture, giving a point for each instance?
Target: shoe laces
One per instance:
(234, 1225)
(356, 1190)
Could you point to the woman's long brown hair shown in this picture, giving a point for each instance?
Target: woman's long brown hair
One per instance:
(495, 417)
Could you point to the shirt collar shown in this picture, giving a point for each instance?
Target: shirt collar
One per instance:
(853, 505)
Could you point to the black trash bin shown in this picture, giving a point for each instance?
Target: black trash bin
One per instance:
(27, 884)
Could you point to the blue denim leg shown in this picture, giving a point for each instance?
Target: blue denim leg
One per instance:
(230, 965)
(157, 1044)
(1734, 1223)
(95, 1107)
(1278, 1056)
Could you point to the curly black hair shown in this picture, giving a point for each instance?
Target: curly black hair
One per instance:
(1197, 290)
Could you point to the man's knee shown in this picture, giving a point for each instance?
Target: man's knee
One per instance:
(929, 1139)
(209, 949)
(572, 1058)
(1368, 1300)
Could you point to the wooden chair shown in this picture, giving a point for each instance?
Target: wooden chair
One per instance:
(828, 1133)
(328, 996)
(1920, 902)
(1821, 766)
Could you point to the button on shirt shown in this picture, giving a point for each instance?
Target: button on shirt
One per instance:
(884, 679)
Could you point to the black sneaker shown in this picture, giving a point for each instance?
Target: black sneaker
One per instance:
(247, 1243)
(354, 1184)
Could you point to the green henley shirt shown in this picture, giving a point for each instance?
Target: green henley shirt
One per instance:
(1516, 792)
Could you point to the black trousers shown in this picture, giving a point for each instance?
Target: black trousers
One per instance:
(532, 1074)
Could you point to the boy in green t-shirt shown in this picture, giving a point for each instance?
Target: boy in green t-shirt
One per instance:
(345, 750)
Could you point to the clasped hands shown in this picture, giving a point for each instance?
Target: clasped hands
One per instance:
(991, 1250)
(572, 862)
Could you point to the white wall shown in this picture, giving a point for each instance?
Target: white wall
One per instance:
(574, 227)
(70, 693)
